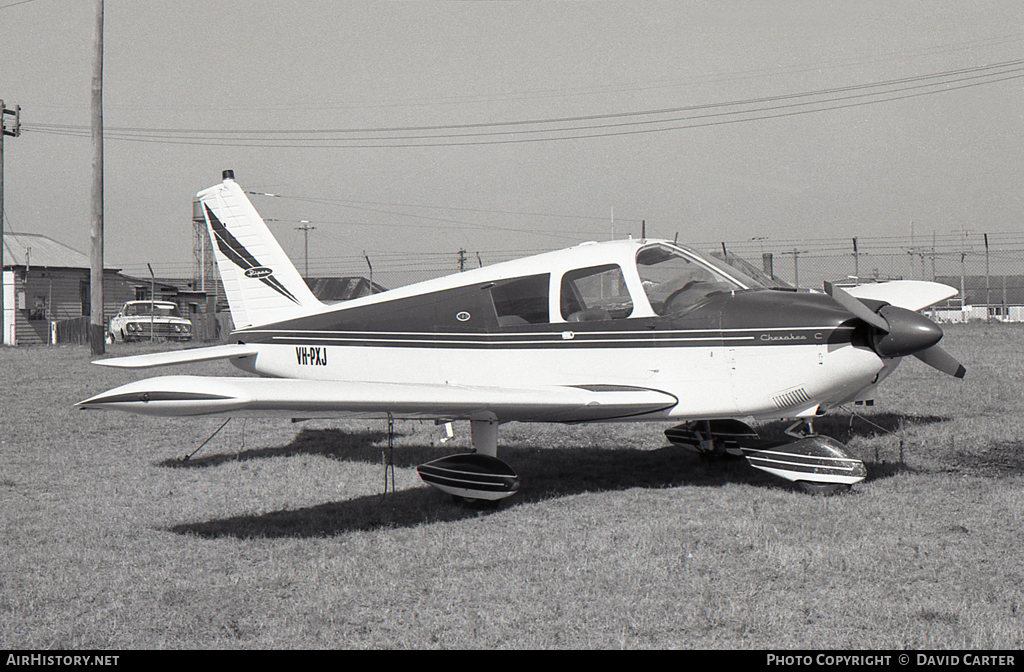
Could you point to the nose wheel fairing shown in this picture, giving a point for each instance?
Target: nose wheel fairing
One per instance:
(816, 462)
(815, 459)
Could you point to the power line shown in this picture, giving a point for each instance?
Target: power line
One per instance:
(15, 4)
(576, 127)
(348, 203)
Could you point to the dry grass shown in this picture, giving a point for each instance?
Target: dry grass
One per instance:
(278, 535)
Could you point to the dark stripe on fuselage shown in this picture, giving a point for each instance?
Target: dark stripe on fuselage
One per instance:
(754, 318)
(561, 339)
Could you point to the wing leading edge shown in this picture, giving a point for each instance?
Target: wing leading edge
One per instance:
(243, 396)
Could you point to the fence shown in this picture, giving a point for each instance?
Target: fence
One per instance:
(74, 330)
(987, 270)
(205, 329)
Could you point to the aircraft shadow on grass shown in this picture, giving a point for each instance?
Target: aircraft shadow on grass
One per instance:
(545, 474)
(331, 443)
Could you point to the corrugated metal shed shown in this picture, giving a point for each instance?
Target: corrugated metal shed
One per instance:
(33, 250)
(51, 284)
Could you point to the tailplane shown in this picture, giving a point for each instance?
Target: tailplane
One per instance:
(261, 283)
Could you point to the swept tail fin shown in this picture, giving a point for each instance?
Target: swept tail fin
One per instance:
(261, 283)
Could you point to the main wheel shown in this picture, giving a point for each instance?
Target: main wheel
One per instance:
(476, 504)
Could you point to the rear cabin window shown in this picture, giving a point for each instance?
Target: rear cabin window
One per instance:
(522, 301)
(594, 294)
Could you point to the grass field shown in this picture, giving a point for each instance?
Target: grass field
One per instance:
(280, 535)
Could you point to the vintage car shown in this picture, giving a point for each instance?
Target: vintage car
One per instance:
(143, 320)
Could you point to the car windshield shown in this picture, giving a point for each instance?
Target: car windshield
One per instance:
(157, 309)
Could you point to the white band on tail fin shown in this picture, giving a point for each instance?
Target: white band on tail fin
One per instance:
(260, 280)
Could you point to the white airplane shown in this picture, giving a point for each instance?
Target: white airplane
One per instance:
(625, 330)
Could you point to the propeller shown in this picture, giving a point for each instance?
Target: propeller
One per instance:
(937, 358)
(898, 332)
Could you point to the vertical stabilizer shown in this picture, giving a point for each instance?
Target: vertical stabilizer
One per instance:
(259, 279)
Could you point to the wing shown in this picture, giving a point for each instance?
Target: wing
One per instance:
(243, 396)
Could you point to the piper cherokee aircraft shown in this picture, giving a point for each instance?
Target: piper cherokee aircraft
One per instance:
(624, 330)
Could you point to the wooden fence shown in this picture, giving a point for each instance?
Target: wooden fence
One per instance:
(205, 329)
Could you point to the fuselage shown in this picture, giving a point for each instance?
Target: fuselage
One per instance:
(595, 314)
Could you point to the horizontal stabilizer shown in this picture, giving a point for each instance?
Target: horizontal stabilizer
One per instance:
(154, 359)
(909, 294)
(291, 398)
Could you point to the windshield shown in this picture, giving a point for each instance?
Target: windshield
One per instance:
(676, 279)
(745, 272)
(158, 310)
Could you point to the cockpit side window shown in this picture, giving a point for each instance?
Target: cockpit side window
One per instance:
(594, 294)
(674, 283)
(522, 300)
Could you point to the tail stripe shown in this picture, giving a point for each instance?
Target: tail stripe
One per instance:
(229, 245)
(240, 256)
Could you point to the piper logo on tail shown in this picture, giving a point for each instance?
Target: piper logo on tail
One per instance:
(258, 272)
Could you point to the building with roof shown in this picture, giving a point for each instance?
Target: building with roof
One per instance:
(47, 293)
(47, 283)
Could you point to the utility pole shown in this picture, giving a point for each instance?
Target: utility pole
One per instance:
(796, 266)
(96, 342)
(462, 260)
(988, 286)
(306, 228)
(933, 255)
(14, 132)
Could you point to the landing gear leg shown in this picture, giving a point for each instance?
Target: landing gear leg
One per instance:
(801, 429)
(484, 434)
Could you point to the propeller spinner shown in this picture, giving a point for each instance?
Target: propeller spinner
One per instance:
(898, 332)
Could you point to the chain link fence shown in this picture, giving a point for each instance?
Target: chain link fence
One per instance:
(987, 270)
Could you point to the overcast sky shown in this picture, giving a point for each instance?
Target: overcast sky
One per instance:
(413, 127)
